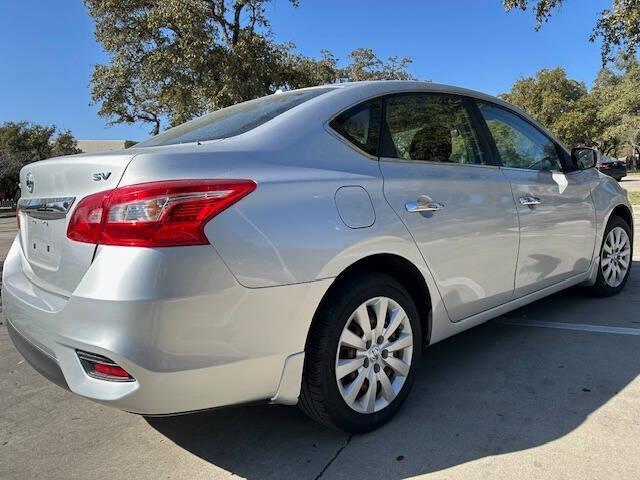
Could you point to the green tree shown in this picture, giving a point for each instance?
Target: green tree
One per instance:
(365, 65)
(618, 26)
(559, 103)
(608, 116)
(171, 60)
(617, 92)
(581, 125)
(547, 95)
(22, 143)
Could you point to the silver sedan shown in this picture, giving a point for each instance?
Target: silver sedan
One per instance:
(301, 248)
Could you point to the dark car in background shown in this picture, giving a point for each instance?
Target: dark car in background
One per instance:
(612, 166)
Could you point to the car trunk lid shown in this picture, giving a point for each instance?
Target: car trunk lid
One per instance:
(51, 189)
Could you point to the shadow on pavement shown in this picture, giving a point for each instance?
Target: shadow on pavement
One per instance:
(488, 391)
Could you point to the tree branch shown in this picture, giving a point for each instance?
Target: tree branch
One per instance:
(220, 18)
(254, 19)
(236, 20)
(151, 117)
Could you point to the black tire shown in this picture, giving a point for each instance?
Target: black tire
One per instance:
(320, 398)
(601, 288)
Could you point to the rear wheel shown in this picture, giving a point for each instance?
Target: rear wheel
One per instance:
(361, 355)
(615, 258)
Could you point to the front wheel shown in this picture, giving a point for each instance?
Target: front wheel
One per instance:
(615, 258)
(361, 354)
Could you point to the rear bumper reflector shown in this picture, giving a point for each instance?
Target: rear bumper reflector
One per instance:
(103, 368)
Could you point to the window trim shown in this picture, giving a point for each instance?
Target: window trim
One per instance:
(565, 168)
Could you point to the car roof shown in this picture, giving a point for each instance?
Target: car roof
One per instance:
(372, 88)
(393, 86)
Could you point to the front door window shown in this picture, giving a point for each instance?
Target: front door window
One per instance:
(519, 143)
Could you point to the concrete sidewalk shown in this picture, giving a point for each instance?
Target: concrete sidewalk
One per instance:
(501, 401)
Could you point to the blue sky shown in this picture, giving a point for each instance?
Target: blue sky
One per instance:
(47, 49)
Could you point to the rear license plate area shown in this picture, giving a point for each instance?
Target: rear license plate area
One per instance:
(42, 242)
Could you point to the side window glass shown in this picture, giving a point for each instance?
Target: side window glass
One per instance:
(430, 127)
(360, 125)
(519, 143)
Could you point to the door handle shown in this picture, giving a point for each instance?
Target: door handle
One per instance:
(530, 200)
(424, 204)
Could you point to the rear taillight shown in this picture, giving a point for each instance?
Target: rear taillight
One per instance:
(86, 220)
(156, 214)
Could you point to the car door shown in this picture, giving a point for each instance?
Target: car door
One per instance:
(439, 179)
(555, 209)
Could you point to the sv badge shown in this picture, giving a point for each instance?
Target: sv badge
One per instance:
(101, 176)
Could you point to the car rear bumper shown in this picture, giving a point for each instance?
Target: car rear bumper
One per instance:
(42, 362)
(175, 319)
(615, 172)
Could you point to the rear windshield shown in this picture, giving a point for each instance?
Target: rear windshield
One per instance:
(233, 120)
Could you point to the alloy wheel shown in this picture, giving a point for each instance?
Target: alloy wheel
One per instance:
(616, 257)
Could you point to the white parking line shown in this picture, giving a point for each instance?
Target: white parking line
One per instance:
(571, 326)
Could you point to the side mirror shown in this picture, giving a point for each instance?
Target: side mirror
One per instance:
(584, 158)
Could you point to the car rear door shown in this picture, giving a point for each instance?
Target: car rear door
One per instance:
(439, 179)
(555, 209)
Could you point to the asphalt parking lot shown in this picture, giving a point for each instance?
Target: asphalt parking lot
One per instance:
(548, 391)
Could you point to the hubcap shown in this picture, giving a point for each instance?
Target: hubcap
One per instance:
(374, 355)
(615, 257)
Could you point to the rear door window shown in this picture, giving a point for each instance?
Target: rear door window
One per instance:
(430, 127)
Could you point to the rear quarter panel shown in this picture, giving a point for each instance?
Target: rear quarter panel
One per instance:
(289, 229)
